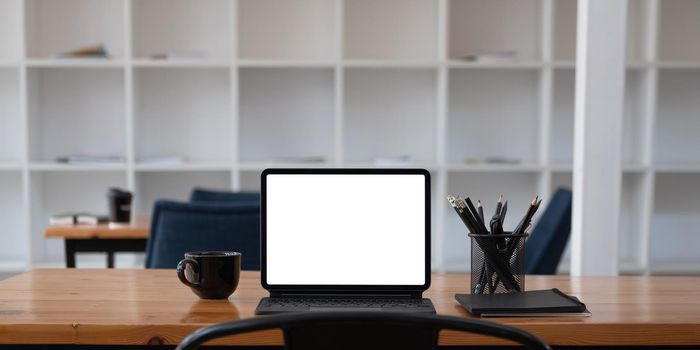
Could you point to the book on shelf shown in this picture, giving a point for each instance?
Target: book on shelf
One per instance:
(301, 159)
(179, 55)
(77, 219)
(93, 51)
(490, 56)
(493, 160)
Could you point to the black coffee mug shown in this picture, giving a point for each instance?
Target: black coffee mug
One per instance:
(119, 205)
(214, 275)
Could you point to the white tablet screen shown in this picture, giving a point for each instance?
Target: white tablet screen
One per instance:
(345, 229)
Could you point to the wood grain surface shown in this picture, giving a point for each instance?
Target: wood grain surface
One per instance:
(137, 307)
(138, 228)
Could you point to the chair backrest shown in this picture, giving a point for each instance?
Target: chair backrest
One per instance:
(177, 228)
(205, 195)
(545, 246)
(361, 330)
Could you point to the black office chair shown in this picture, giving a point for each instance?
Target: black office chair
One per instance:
(360, 330)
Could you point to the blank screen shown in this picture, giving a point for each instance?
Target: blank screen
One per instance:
(342, 229)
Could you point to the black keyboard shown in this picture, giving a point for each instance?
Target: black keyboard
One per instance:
(300, 304)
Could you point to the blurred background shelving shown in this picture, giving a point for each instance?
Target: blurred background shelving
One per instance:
(210, 93)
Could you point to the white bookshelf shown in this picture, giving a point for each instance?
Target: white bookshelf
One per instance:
(389, 104)
(264, 83)
(285, 112)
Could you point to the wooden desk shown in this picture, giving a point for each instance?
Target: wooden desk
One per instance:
(137, 307)
(107, 238)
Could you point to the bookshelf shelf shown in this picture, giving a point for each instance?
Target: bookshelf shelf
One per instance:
(373, 63)
(14, 247)
(57, 26)
(180, 63)
(397, 104)
(59, 167)
(65, 101)
(527, 65)
(296, 30)
(563, 64)
(626, 168)
(10, 116)
(677, 169)
(678, 128)
(185, 166)
(284, 63)
(430, 166)
(10, 166)
(496, 168)
(75, 63)
(10, 31)
(194, 106)
(286, 114)
(564, 33)
(675, 215)
(678, 65)
(476, 118)
(237, 86)
(678, 27)
(479, 26)
(411, 34)
(9, 64)
(259, 166)
(180, 28)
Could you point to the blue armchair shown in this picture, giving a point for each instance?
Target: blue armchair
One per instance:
(548, 239)
(213, 196)
(178, 227)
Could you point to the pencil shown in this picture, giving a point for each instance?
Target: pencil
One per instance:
(453, 202)
(481, 211)
(499, 205)
(475, 214)
(524, 220)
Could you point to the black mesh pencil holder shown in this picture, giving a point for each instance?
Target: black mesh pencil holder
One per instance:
(498, 263)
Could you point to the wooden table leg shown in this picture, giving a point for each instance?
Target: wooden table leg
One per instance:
(70, 253)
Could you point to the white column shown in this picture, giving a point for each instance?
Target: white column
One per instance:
(600, 79)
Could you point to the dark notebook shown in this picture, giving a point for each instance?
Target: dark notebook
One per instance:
(532, 303)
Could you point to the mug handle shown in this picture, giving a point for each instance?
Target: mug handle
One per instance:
(181, 271)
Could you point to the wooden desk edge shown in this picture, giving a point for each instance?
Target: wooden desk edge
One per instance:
(95, 231)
